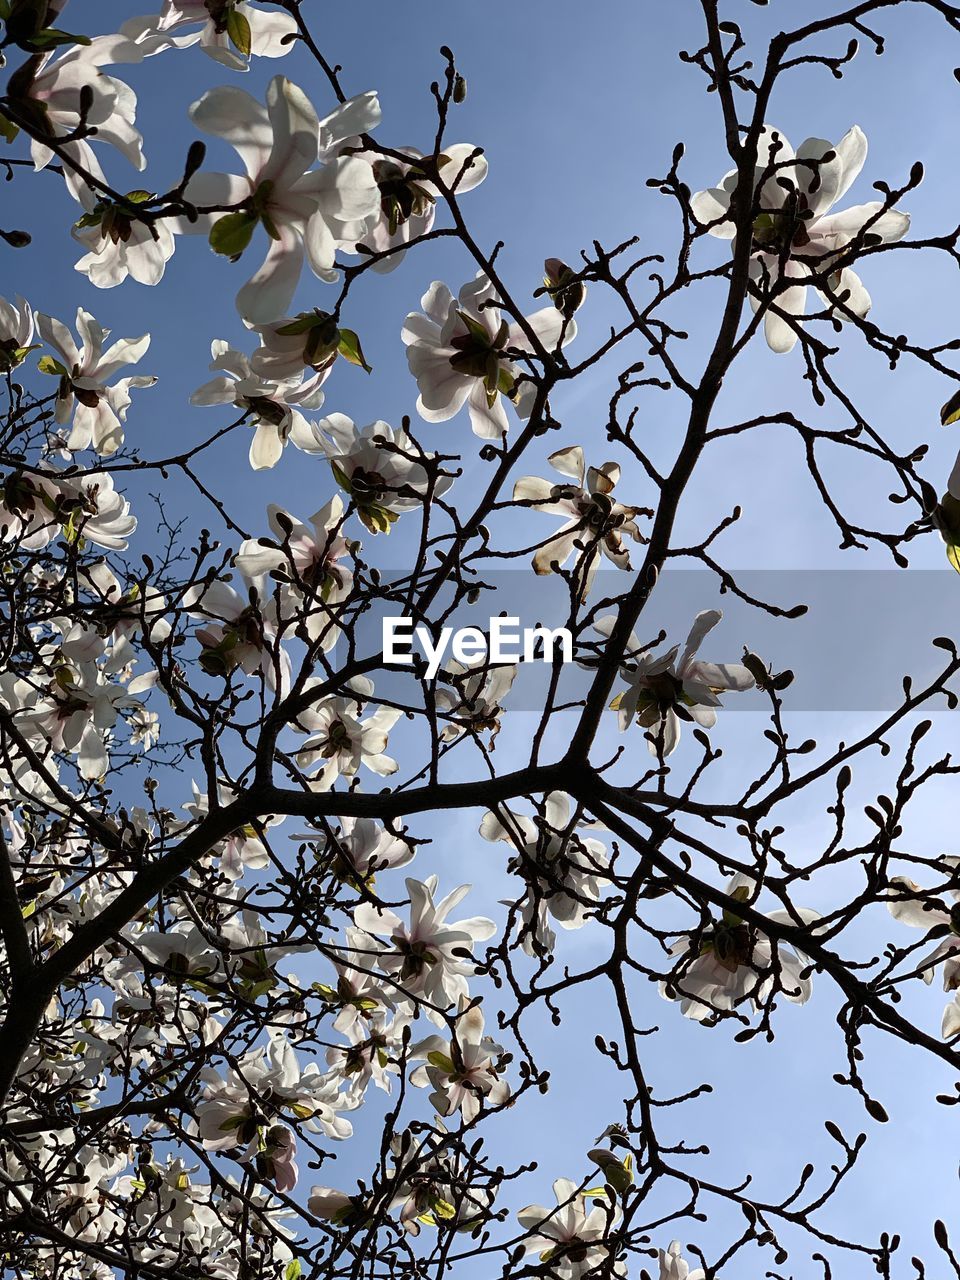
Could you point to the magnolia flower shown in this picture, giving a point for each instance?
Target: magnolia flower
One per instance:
(457, 351)
(16, 333)
(305, 559)
(242, 634)
(911, 905)
(733, 961)
(426, 956)
(339, 741)
(230, 31)
(795, 236)
(96, 410)
(433, 1188)
(662, 690)
(568, 1237)
(184, 952)
(595, 524)
(267, 1083)
(274, 407)
(27, 503)
(461, 1070)
(474, 700)
(563, 868)
(118, 243)
(380, 468)
(674, 1267)
(57, 90)
(243, 847)
(373, 1053)
(408, 196)
(89, 509)
(336, 1206)
(302, 212)
(360, 850)
(307, 340)
(79, 709)
(359, 991)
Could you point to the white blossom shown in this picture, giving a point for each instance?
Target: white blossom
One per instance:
(464, 1069)
(425, 957)
(795, 236)
(303, 211)
(663, 690)
(457, 351)
(274, 407)
(596, 523)
(380, 468)
(84, 398)
(339, 742)
(733, 961)
(570, 1237)
(229, 31)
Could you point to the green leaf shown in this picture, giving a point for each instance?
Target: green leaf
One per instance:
(4, 10)
(238, 29)
(47, 364)
(139, 196)
(953, 555)
(50, 37)
(231, 234)
(8, 130)
(437, 1059)
(950, 412)
(306, 320)
(349, 347)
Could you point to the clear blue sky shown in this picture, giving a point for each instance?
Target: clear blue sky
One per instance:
(576, 106)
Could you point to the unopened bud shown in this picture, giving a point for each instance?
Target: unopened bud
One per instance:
(566, 292)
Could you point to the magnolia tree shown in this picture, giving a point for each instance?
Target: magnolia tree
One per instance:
(225, 933)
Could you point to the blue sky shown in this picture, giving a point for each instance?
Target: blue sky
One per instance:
(576, 108)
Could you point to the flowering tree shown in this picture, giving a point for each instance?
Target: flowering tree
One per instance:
(212, 774)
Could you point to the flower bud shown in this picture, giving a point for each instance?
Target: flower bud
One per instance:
(566, 292)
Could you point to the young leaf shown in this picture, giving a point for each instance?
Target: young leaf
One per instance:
(349, 347)
(231, 234)
(238, 29)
